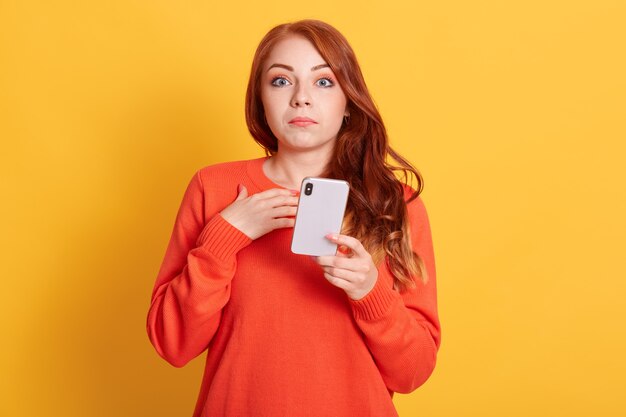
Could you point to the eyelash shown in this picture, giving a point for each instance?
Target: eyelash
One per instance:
(279, 77)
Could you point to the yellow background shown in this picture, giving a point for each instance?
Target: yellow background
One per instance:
(513, 111)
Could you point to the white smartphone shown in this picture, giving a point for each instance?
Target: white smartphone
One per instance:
(321, 208)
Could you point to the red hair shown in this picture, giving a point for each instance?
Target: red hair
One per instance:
(376, 213)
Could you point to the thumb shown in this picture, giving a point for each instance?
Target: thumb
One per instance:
(242, 192)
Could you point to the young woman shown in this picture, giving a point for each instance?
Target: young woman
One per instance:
(287, 334)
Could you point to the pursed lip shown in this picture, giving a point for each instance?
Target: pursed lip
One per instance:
(302, 120)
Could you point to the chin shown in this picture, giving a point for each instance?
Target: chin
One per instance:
(304, 144)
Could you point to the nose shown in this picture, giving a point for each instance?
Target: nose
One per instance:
(301, 97)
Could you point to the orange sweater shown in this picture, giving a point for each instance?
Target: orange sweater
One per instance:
(280, 339)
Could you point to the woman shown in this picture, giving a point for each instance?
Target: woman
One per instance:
(286, 334)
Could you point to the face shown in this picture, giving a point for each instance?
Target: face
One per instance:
(304, 104)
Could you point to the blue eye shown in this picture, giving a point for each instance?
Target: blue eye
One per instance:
(325, 82)
(280, 82)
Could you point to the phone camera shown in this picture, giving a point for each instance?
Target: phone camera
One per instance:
(308, 188)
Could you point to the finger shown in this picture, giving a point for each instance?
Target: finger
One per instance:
(283, 211)
(336, 262)
(337, 282)
(325, 260)
(347, 268)
(242, 192)
(345, 274)
(348, 241)
(342, 279)
(282, 200)
(283, 222)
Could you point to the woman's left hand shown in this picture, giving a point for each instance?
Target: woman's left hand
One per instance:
(354, 271)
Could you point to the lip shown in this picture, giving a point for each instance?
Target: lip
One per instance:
(302, 121)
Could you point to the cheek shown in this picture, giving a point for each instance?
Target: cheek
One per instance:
(271, 105)
(269, 111)
(272, 114)
(339, 101)
(265, 100)
(336, 108)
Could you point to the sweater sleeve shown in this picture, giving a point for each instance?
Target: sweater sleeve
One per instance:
(194, 281)
(402, 330)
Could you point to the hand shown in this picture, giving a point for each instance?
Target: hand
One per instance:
(263, 212)
(353, 271)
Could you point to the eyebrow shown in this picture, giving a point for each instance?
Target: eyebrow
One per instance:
(290, 68)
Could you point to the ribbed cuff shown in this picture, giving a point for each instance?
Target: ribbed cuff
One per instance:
(222, 238)
(376, 303)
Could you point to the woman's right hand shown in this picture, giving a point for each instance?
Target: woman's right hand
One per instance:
(262, 212)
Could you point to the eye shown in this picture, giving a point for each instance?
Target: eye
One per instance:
(280, 82)
(325, 82)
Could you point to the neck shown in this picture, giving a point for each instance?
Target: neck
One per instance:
(288, 169)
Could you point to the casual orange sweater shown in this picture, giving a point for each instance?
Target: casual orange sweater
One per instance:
(280, 339)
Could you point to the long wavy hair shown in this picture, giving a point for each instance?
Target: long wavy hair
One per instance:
(376, 212)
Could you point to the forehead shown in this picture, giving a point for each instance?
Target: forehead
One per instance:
(295, 51)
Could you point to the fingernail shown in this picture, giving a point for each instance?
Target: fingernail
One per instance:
(294, 192)
(331, 236)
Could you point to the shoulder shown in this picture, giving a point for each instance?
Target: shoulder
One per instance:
(416, 208)
(418, 222)
(221, 171)
(417, 204)
(216, 184)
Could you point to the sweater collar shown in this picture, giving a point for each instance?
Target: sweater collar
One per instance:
(257, 175)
